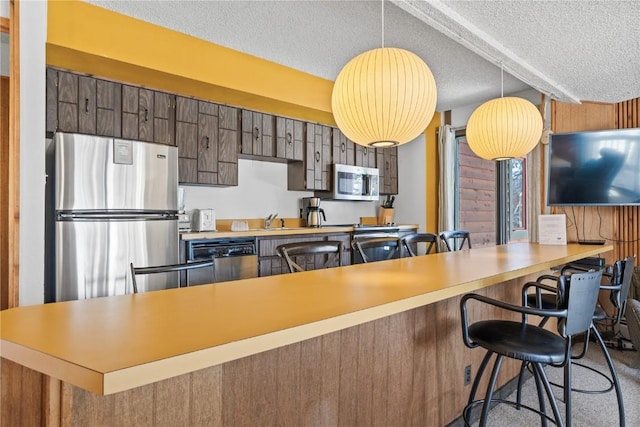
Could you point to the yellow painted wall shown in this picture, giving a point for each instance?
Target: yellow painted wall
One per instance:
(90, 39)
(431, 173)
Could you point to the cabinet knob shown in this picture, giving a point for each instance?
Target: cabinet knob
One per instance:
(364, 150)
(317, 156)
(289, 138)
(343, 147)
(256, 132)
(86, 105)
(206, 139)
(146, 114)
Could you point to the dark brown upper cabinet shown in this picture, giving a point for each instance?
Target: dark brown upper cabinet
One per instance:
(258, 134)
(148, 115)
(342, 148)
(290, 139)
(82, 104)
(387, 164)
(207, 136)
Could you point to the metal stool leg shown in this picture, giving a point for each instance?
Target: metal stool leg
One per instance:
(547, 387)
(489, 396)
(614, 374)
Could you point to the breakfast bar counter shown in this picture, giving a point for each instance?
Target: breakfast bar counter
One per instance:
(279, 339)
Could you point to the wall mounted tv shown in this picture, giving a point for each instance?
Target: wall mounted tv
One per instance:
(600, 168)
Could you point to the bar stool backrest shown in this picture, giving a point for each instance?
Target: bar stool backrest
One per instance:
(430, 239)
(457, 238)
(332, 249)
(138, 271)
(362, 245)
(578, 293)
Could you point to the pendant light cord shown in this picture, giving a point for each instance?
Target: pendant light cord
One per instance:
(382, 23)
(501, 80)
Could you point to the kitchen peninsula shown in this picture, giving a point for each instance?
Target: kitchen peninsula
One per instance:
(361, 344)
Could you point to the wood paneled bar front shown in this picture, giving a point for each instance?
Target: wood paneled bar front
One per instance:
(365, 344)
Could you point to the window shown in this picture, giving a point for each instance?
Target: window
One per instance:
(490, 197)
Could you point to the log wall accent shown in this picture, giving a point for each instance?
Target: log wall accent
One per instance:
(405, 369)
(477, 196)
(618, 225)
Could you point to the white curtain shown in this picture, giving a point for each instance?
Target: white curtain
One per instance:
(536, 176)
(447, 153)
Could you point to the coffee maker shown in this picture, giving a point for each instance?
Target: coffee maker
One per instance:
(312, 212)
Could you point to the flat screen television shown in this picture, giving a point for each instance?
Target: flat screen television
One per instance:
(600, 168)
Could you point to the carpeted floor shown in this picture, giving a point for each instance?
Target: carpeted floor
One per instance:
(588, 409)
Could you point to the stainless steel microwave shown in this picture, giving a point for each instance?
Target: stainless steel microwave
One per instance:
(355, 183)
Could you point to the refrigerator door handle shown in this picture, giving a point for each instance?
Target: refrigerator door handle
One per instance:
(71, 216)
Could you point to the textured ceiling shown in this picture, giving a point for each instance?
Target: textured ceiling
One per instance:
(587, 50)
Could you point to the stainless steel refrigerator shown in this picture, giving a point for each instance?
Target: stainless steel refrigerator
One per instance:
(110, 202)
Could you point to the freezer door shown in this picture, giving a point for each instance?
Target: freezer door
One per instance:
(92, 257)
(98, 173)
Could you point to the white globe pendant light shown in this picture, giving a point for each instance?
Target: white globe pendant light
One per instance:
(504, 128)
(384, 97)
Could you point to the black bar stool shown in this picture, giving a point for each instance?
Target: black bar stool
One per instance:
(410, 242)
(457, 238)
(332, 249)
(577, 295)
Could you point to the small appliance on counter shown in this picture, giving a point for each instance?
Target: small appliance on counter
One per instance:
(184, 223)
(313, 213)
(203, 220)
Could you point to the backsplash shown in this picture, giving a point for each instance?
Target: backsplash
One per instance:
(262, 190)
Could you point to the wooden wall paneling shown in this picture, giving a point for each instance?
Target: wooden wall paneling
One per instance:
(400, 367)
(288, 377)
(311, 370)
(4, 193)
(567, 117)
(206, 398)
(380, 379)
(365, 374)
(21, 395)
(135, 407)
(348, 397)
(236, 398)
(13, 165)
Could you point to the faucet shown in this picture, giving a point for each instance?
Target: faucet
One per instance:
(267, 221)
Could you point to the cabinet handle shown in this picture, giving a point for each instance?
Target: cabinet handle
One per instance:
(317, 156)
(206, 138)
(86, 105)
(343, 146)
(256, 132)
(289, 138)
(386, 165)
(364, 151)
(146, 115)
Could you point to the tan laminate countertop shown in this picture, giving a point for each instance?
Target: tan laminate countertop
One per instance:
(275, 231)
(107, 345)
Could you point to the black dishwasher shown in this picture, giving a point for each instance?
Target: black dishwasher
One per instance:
(234, 258)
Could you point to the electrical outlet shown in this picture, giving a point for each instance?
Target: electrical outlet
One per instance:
(467, 375)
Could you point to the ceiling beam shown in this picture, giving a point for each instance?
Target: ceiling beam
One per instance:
(442, 18)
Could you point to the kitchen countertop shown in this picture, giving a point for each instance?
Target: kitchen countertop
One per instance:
(287, 231)
(112, 344)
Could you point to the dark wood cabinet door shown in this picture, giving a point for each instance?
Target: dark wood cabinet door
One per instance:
(207, 144)
(249, 134)
(365, 156)
(67, 102)
(52, 100)
(87, 105)
(387, 164)
(258, 134)
(145, 115)
(130, 108)
(228, 134)
(343, 148)
(164, 118)
(325, 162)
(108, 108)
(289, 139)
(187, 139)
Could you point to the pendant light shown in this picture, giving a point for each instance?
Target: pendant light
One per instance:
(384, 97)
(504, 128)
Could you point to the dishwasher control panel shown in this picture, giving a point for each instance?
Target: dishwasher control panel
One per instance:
(218, 248)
